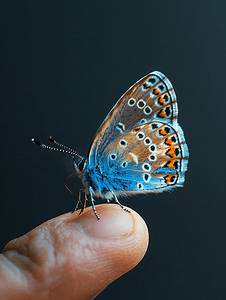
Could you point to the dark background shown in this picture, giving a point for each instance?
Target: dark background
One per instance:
(64, 64)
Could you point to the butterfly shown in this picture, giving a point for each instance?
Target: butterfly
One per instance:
(139, 147)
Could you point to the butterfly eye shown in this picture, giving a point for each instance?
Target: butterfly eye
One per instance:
(140, 136)
(147, 141)
(152, 157)
(141, 103)
(123, 143)
(152, 148)
(131, 102)
(113, 156)
(81, 165)
(146, 167)
(147, 110)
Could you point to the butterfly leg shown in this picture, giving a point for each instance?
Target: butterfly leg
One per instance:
(84, 203)
(79, 200)
(116, 201)
(92, 201)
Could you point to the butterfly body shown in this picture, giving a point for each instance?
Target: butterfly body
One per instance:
(140, 147)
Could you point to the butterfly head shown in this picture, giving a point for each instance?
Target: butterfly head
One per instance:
(79, 165)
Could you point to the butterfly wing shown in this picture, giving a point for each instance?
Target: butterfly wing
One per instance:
(123, 156)
(148, 158)
(152, 97)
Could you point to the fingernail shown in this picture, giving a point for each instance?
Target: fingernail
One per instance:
(114, 222)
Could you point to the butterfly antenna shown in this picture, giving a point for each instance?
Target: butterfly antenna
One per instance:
(65, 148)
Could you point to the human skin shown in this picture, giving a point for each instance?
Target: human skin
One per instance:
(73, 256)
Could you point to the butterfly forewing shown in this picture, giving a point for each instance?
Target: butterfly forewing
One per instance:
(152, 97)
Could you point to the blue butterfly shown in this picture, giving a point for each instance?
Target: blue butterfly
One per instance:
(139, 147)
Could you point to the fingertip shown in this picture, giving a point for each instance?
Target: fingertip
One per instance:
(113, 222)
(125, 235)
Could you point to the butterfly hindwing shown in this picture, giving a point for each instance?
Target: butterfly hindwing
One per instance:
(147, 158)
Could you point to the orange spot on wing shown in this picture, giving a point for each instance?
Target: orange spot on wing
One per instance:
(133, 158)
(171, 165)
(156, 92)
(161, 101)
(146, 86)
(162, 114)
(162, 132)
(171, 152)
(168, 141)
(169, 178)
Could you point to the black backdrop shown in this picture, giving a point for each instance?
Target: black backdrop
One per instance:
(64, 64)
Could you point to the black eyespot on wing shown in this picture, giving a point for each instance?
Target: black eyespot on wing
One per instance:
(123, 143)
(154, 126)
(152, 80)
(139, 185)
(146, 176)
(175, 164)
(177, 151)
(167, 111)
(147, 110)
(113, 156)
(156, 92)
(124, 164)
(146, 86)
(136, 129)
(165, 97)
(167, 129)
